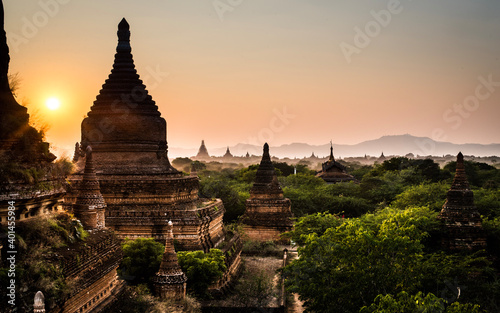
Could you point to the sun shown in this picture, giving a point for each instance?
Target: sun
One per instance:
(53, 103)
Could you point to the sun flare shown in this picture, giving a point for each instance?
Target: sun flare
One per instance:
(53, 103)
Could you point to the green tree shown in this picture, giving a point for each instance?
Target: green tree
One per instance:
(348, 266)
(141, 258)
(432, 195)
(202, 269)
(405, 303)
(312, 224)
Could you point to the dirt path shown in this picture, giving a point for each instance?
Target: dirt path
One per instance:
(295, 306)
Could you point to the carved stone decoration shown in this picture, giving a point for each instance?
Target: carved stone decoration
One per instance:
(268, 213)
(39, 303)
(170, 282)
(459, 215)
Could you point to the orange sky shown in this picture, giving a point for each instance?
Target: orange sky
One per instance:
(250, 71)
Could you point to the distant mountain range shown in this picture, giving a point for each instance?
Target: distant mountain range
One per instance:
(389, 145)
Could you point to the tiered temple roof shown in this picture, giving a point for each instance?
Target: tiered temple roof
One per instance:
(170, 281)
(460, 216)
(334, 172)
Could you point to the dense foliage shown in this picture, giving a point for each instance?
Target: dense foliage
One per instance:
(38, 241)
(202, 269)
(141, 259)
(347, 266)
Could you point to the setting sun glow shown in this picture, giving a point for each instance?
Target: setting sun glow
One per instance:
(53, 103)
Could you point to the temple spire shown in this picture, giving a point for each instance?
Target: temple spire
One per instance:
(123, 37)
(460, 180)
(266, 181)
(265, 155)
(331, 152)
(462, 221)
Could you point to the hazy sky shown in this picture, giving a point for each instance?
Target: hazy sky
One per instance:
(231, 71)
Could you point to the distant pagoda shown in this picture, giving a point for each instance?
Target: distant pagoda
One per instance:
(459, 215)
(170, 282)
(129, 152)
(228, 154)
(268, 213)
(334, 172)
(202, 152)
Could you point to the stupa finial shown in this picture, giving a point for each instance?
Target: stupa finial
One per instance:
(331, 152)
(266, 152)
(123, 37)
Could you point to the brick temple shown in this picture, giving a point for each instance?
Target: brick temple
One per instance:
(268, 213)
(462, 221)
(333, 172)
(142, 190)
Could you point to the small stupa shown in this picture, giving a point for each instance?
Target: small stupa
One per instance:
(268, 213)
(170, 282)
(90, 206)
(462, 221)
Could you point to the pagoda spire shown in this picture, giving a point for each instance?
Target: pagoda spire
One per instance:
(332, 158)
(170, 281)
(461, 219)
(266, 181)
(460, 181)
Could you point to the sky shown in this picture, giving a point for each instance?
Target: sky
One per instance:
(277, 71)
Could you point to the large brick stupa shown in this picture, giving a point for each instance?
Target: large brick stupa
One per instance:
(129, 146)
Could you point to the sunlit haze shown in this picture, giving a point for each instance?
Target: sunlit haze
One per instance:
(251, 71)
(53, 103)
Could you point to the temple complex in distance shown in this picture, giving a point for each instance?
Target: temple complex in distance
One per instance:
(334, 172)
(141, 189)
(459, 215)
(268, 213)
